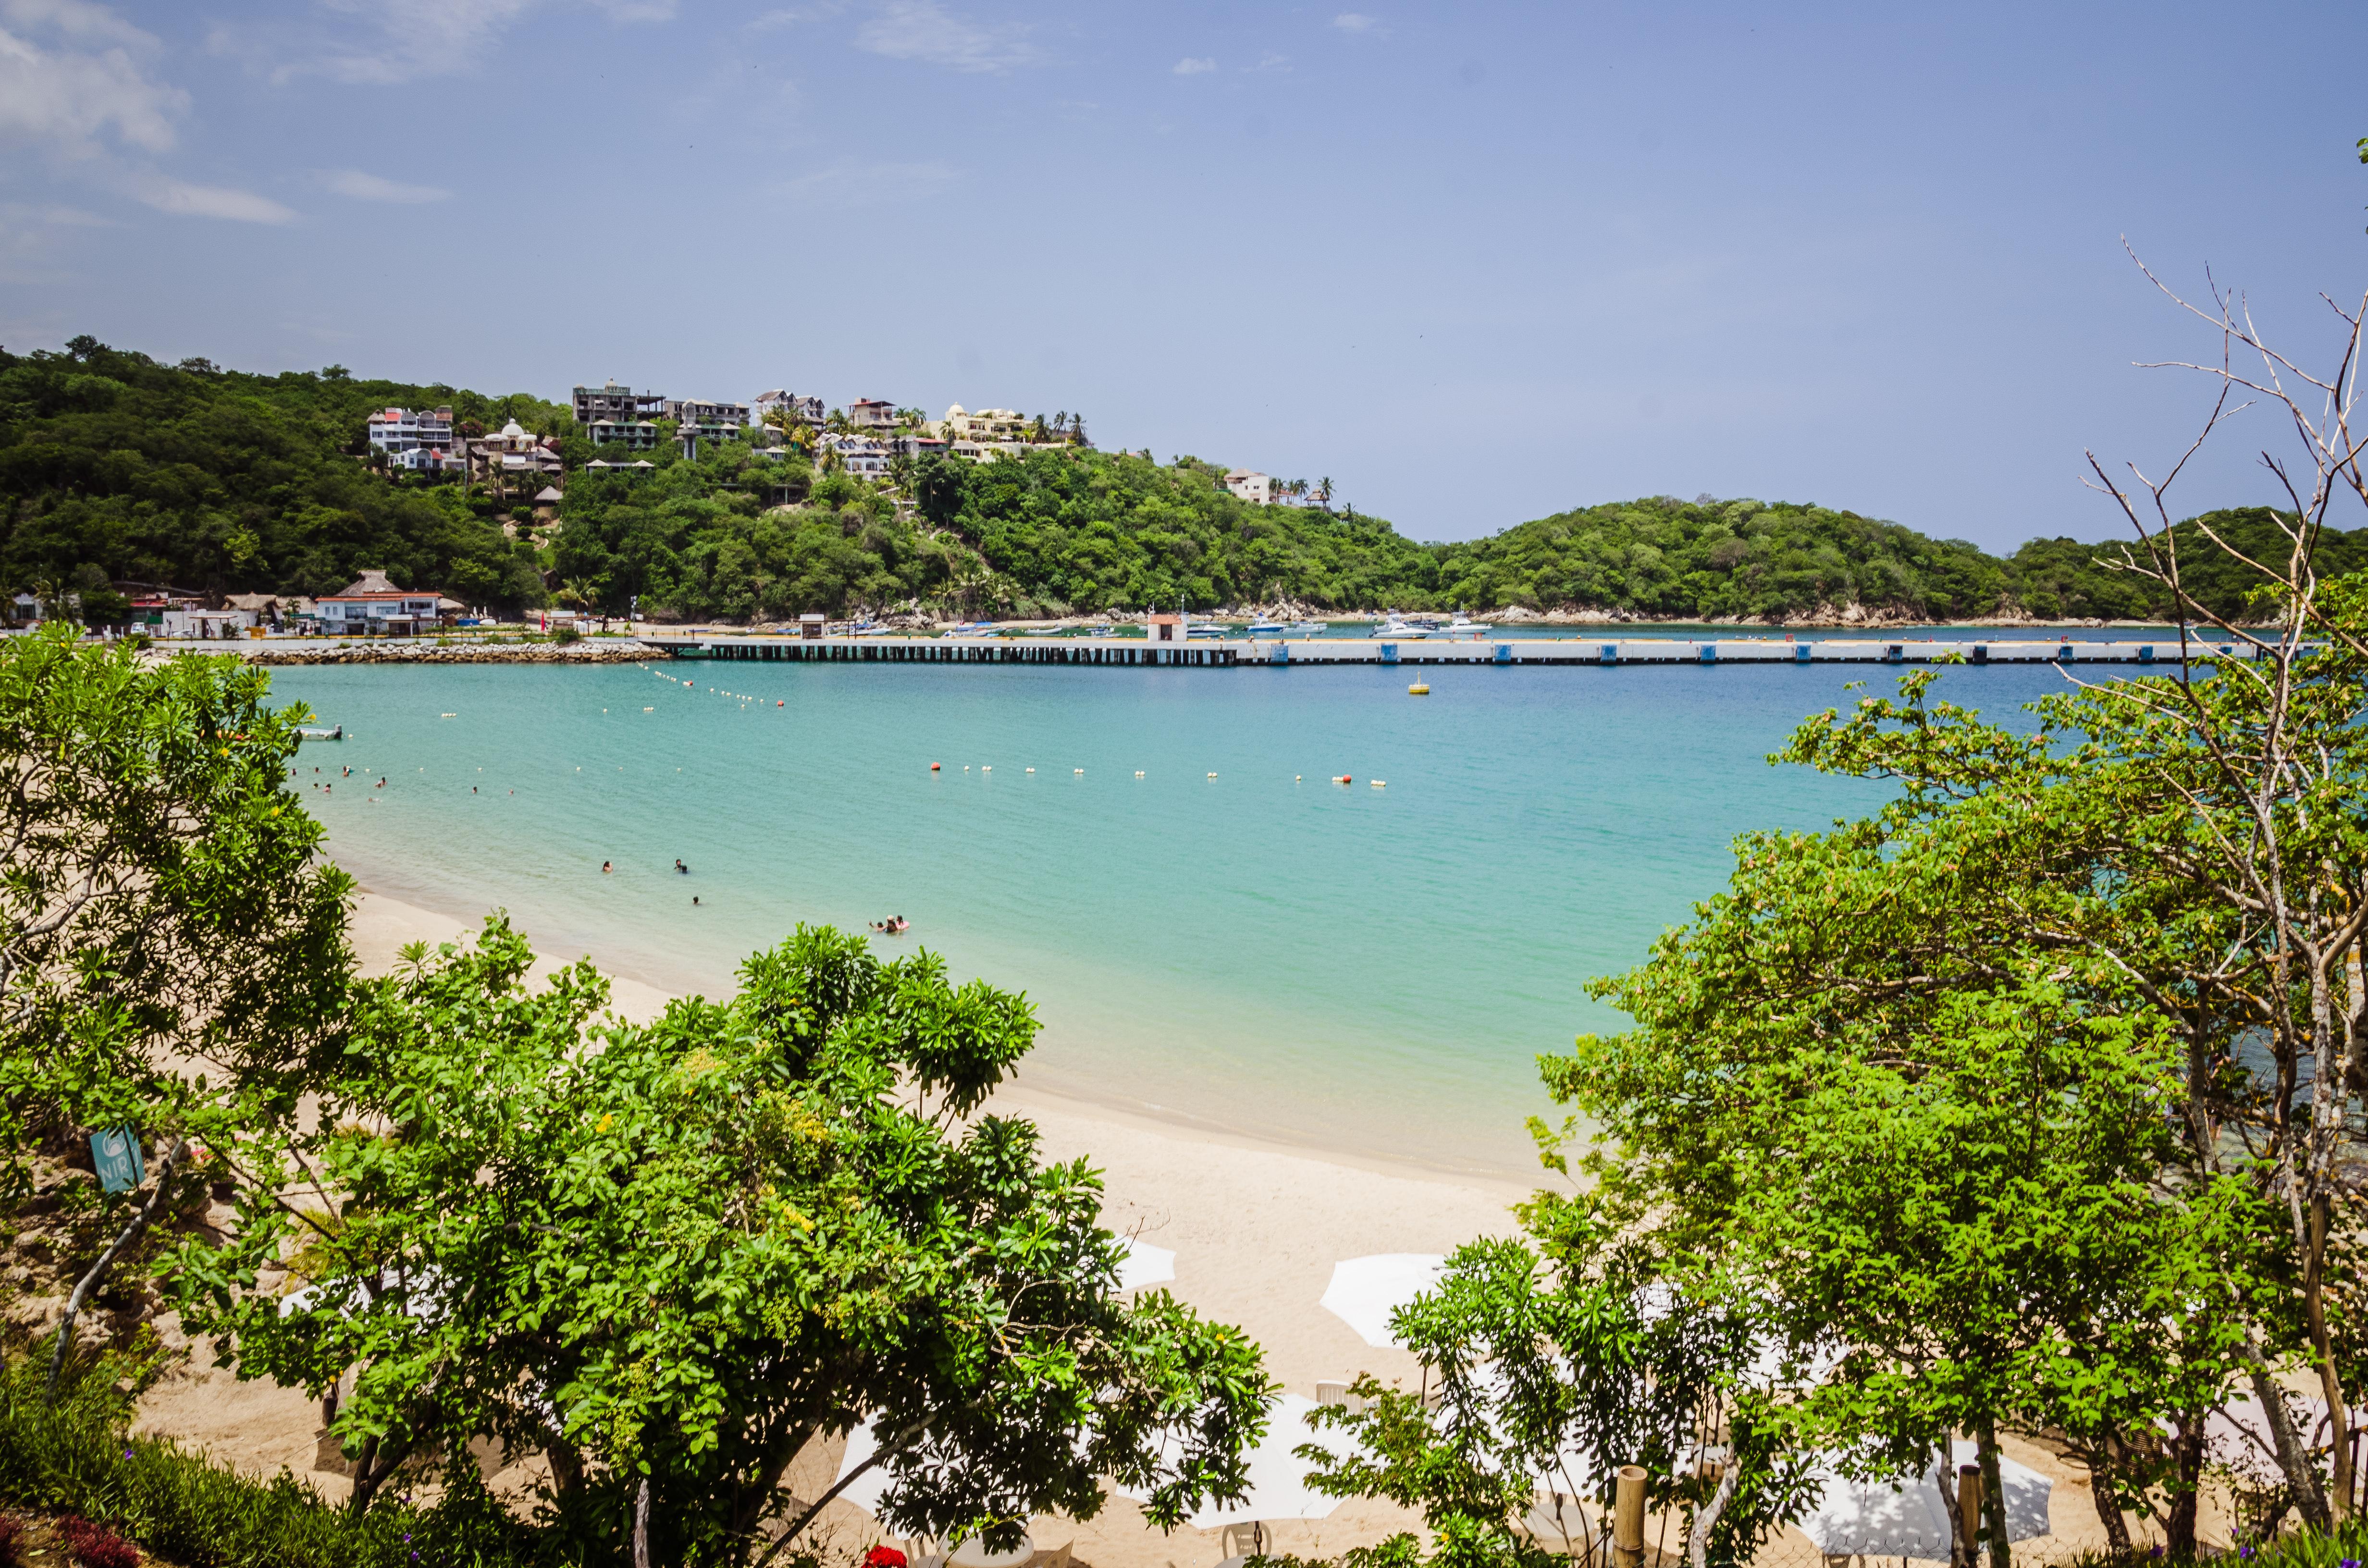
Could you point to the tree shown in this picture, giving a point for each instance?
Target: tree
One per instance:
(669, 1257)
(1556, 1360)
(172, 951)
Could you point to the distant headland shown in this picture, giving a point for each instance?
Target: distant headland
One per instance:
(127, 478)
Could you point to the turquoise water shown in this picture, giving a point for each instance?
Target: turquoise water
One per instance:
(1373, 970)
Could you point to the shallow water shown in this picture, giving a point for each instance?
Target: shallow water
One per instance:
(1229, 938)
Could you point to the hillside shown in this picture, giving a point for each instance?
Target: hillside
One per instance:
(116, 468)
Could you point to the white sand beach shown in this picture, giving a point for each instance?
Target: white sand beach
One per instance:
(1255, 1228)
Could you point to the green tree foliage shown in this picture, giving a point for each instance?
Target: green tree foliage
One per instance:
(1111, 531)
(1721, 558)
(2009, 1092)
(669, 1256)
(2060, 578)
(174, 945)
(220, 481)
(118, 468)
(1550, 1363)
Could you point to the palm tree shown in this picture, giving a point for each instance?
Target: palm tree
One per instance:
(576, 593)
(1324, 491)
(838, 424)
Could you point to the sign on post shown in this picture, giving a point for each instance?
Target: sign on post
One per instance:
(115, 1154)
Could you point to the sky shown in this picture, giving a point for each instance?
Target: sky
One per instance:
(1474, 263)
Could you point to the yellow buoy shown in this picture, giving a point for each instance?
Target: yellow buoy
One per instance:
(1381, 783)
(1213, 776)
(1418, 689)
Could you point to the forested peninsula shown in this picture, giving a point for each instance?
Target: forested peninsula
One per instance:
(116, 470)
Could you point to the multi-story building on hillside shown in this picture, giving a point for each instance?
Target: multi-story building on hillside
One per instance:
(866, 457)
(417, 440)
(807, 410)
(984, 426)
(639, 435)
(614, 403)
(872, 413)
(691, 411)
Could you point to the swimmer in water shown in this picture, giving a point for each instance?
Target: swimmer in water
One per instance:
(683, 868)
(606, 868)
(694, 898)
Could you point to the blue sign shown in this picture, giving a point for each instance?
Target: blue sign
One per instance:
(116, 1155)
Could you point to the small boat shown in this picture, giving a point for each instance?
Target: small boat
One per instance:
(1204, 629)
(308, 733)
(1266, 628)
(1465, 626)
(1308, 628)
(1399, 631)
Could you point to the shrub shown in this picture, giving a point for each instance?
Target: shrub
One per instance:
(95, 1546)
(75, 1458)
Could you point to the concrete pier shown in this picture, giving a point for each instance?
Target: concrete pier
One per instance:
(1237, 653)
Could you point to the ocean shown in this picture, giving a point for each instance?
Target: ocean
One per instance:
(1211, 929)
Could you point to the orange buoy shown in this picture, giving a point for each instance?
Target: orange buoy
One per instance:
(1343, 778)
(777, 705)
(934, 767)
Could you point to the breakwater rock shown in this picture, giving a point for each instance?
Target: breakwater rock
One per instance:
(592, 651)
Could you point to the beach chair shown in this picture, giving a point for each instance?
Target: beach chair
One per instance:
(1238, 1543)
(1333, 1394)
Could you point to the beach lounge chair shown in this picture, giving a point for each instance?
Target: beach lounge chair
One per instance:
(1240, 1543)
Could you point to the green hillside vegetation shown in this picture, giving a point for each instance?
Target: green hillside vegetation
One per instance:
(115, 468)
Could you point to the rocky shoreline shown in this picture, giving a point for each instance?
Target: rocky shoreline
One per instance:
(600, 651)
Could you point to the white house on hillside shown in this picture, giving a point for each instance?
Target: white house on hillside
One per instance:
(1251, 485)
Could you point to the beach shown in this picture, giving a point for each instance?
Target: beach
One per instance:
(1293, 1024)
(1255, 1226)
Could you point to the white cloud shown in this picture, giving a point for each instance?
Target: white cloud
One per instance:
(78, 20)
(69, 97)
(1190, 67)
(185, 200)
(1271, 65)
(372, 188)
(925, 30)
(1351, 22)
(371, 45)
(852, 184)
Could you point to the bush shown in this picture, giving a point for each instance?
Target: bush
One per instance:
(77, 1459)
(95, 1546)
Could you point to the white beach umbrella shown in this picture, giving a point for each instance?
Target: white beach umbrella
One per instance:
(1277, 1485)
(862, 1442)
(1143, 1265)
(1907, 1519)
(1365, 1290)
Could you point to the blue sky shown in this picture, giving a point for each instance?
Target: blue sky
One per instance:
(1475, 263)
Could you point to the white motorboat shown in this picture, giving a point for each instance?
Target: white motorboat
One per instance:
(1203, 629)
(1465, 626)
(1266, 628)
(1398, 631)
(1307, 629)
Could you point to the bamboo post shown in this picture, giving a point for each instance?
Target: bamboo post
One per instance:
(1969, 1512)
(1628, 1519)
